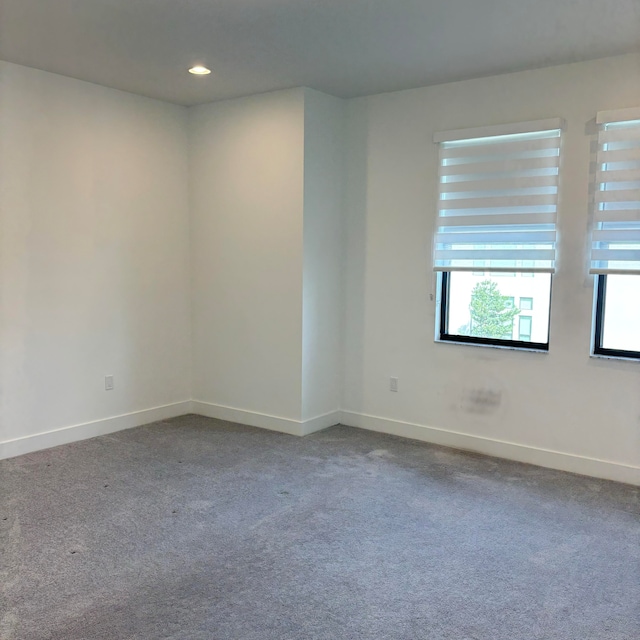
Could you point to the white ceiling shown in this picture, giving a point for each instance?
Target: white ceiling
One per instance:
(346, 48)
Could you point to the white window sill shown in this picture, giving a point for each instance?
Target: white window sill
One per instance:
(494, 346)
(604, 356)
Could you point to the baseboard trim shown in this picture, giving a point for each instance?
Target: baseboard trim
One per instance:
(65, 435)
(501, 449)
(242, 416)
(264, 420)
(319, 423)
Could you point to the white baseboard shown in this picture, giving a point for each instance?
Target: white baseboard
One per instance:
(251, 418)
(265, 421)
(498, 448)
(488, 446)
(65, 435)
(321, 422)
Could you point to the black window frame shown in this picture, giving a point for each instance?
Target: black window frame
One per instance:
(445, 336)
(598, 349)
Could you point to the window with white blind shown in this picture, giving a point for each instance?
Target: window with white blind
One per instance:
(497, 211)
(615, 242)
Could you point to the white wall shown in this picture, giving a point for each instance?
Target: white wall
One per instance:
(562, 401)
(94, 256)
(246, 173)
(322, 332)
(95, 194)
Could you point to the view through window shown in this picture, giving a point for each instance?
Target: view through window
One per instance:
(493, 306)
(618, 324)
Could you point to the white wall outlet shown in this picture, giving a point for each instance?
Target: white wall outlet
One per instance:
(393, 384)
(108, 383)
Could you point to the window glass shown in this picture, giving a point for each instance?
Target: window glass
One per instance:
(482, 308)
(526, 304)
(621, 313)
(524, 331)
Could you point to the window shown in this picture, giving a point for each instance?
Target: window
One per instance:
(524, 329)
(474, 310)
(497, 208)
(615, 246)
(526, 304)
(617, 331)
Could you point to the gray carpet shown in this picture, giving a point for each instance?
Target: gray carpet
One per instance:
(199, 529)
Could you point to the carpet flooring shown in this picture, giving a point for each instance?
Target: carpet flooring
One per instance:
(197, 529)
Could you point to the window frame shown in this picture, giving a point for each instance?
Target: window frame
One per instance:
(598, 331)
(442, 330)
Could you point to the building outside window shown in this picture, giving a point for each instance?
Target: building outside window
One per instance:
(533, 294)
(618, 316)
(524, 328)
(526, 304)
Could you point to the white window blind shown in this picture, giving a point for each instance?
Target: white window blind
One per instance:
(498, 198)
(615, 246)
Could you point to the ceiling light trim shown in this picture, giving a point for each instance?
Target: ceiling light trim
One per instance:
(199, 70)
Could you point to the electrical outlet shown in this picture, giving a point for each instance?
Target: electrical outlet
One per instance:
(393, 384)
(108, 383)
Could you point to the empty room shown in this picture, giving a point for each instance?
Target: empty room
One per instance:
(319, 320)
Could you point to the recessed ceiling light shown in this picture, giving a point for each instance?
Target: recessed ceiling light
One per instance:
(199, 70)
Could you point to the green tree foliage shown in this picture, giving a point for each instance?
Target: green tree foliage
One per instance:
(491, 314)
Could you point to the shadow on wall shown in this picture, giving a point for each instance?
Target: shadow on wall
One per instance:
(355, 206)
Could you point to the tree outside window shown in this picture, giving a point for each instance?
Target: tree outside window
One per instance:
(491, 313)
